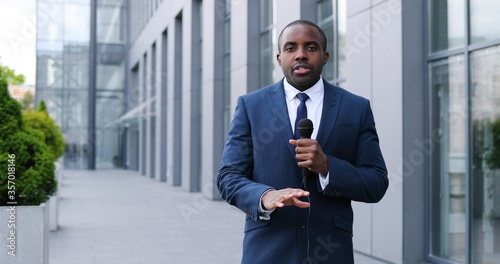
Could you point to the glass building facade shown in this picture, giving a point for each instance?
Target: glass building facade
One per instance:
(464, 92)
(64, 51)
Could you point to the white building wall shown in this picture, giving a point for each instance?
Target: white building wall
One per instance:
(374, 71)
(283, 17)
(209, 83)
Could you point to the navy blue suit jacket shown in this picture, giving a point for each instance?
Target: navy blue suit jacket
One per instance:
(257, 157)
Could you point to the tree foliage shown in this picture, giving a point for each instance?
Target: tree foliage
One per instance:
(34, 163)
(41, 121)
(10, 75)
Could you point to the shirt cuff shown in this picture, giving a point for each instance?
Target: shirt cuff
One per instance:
(324, 180)
(263, 213)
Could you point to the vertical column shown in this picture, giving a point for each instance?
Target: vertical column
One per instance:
(186, 96)
(91, 140)
(153, 110)
(212, 76)
(177, 102)
(162, 117)
(195, 97)
(144, 120)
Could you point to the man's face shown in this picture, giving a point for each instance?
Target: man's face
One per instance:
(302, 56)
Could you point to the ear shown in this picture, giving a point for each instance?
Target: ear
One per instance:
(326, 55)
(278, 58)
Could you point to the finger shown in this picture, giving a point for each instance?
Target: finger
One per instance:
(300, 193)
(299, 203)
(293, 142)
(279, 204)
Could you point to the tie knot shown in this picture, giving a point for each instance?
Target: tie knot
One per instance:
(302, 97)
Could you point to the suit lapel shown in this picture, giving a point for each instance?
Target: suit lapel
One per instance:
(281, 119)
(331, 105)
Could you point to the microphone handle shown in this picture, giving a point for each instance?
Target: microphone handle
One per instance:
(306, 172)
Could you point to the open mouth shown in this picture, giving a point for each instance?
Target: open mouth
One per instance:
(301, 69)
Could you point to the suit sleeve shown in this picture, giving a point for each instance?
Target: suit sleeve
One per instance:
(365, 180)
(235, 179)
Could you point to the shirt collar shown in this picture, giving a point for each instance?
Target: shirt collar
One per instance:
(313, 92)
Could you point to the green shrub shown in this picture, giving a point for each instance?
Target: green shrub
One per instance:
(10, 110)
(41, 121)
(42, 107)
(34, 162)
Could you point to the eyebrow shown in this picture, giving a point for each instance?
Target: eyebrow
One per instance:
(313, 42)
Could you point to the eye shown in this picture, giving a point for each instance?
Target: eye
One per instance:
(311, 48)
(289, 48)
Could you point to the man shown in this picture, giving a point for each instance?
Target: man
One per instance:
(262, 163)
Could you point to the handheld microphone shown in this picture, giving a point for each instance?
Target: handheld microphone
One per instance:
(305, 128)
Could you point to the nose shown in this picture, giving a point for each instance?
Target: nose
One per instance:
(301, 54)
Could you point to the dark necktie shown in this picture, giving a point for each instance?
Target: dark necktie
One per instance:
(301, 112)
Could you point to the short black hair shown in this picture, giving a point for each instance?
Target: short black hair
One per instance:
(304, 22)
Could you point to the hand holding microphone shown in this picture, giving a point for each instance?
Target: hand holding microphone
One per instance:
(311, 157)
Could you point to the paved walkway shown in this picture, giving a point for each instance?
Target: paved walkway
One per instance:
(121, 217)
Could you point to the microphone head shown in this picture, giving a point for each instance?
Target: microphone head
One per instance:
(305, 128)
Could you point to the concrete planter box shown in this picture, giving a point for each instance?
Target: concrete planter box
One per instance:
(24, 232)
(53, 212)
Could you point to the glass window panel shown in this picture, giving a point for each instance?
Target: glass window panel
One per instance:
(265, 59)
(325, 21)
(448, 159)
(76, 68)
(266, 12)
(110, 77)
(485, 105)
(227, 75)
(49, 70)
(83, 2)
(134, 91)
(484, 20)
(227, 34)
(76, 148)
(108, 148)
(75, 109)
(109, 108)
(153, 79)
(49, 21)
(76, 23)
(341, 38)
(109, 24)
(50, 46)
(227, 7)
(446, 24)
(145, 77)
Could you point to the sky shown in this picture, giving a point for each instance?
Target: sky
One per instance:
(18, 37)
